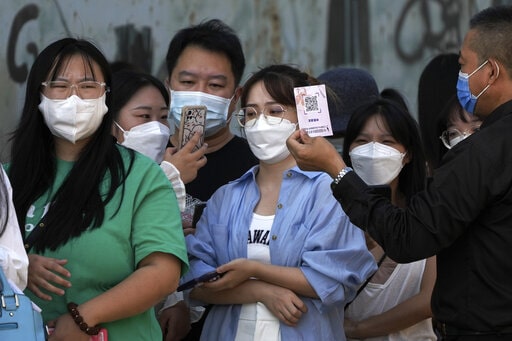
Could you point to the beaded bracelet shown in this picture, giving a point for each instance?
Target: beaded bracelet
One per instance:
(79, 320)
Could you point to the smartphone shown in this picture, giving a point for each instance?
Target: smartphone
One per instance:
(101, 336)
(207, 277)
(193, 119)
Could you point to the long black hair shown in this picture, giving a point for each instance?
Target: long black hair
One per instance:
(404, 129)
(78, 204)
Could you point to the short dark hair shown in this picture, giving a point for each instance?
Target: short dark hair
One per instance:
(126, 83)
(212, 35)
(404, 129)
(279, 81)
(493, 27)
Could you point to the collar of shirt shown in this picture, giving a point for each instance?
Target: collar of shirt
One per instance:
(503, 110)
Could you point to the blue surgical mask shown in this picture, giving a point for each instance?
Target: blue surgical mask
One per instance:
(466, 99)
(216, 116)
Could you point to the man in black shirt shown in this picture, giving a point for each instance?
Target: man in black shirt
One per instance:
(205, 64)
(465, 215)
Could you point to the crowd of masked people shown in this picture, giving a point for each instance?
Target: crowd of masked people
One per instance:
(391, 228)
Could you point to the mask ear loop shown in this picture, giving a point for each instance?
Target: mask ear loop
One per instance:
(488, 85)
(498, 67)
(117, 124)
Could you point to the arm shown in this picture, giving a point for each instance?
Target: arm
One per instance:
(404, 315)
(156, 276)
(419, 225)
(282, 302)
(240, 270)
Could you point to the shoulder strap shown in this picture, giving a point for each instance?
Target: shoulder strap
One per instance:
(35, 234)
(5, 288)
(361, 288)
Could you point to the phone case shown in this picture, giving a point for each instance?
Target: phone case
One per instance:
(193, 119)
(102, 336)
(207, 277)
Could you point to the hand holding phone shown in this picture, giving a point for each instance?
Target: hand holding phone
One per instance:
(193, 119)
(208, 277)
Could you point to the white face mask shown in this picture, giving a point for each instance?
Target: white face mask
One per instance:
(216, 116)
(268, 141)
(149, 139)
(73, 118)
(376, 163)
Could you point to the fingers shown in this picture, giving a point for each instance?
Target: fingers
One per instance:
(175, 322)
(44, 274)
(32, 287)
(299, 304)
(171, 150)
(304, 136)
(56, 265)
(290, 315)
(190, 145)
(188, 230)
(36, 283)
(295, 136)
(199, 154)
(218, 284)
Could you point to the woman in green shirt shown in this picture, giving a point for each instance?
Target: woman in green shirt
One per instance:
(112, 242)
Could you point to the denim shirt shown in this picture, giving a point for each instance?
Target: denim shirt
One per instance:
(310, 231)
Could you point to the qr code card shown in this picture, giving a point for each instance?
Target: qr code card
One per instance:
(313, 110)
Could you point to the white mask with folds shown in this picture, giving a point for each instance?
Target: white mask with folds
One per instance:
(376, 163)
(149, 139)
(73, 118)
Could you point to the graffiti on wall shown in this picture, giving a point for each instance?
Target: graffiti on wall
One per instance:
(438, 22)
(134, 45)
(19, 73)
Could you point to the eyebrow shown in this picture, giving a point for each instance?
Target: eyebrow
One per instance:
(266, 103)
(379, 135)
(84, 79)
(145, 107)
(192, 74)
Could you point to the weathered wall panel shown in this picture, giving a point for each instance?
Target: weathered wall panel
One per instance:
(393, 39)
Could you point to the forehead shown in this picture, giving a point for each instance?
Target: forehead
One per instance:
(467, 55)
(375, 124)
(202, 62)
(149, 96)
(258, 94)
(75, 66)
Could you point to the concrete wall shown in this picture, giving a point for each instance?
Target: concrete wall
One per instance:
(393, 39)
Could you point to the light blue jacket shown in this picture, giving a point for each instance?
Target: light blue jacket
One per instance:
(310, 231)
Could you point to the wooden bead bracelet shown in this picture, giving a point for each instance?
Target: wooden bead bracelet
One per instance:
(79, 320)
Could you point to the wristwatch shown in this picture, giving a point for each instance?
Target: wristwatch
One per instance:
(340, 175)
